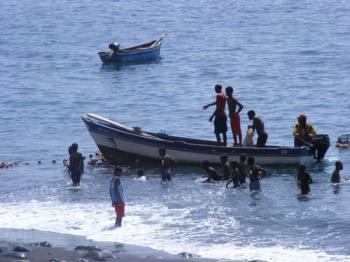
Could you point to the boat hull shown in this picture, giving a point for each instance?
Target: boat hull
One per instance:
(121, 144)
(131, 56)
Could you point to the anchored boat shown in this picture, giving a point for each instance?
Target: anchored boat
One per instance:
(119, 143)
(139, 53)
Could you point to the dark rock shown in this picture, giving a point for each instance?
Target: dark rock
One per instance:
(88, 248)
(19, 255)
(54, 260)
(2, 249)
(83, 260)
(21, 249)
(185, 255)
(95, 255)
(42, 244)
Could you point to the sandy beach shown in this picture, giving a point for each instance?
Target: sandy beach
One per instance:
(41, 246)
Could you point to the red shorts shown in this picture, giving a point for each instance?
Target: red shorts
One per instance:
(119, 211)
(236, 124)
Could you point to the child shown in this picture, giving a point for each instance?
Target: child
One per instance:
(211, 172)
(116, 191)
(167, 164)
(336, 173)
(254, 174)
(226, 167)
(242, 168)
(141, 175)
(304, 180)
(234, 175)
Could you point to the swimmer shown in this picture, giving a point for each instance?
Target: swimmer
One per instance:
(336, 173)
(76, 164)
(211, 172)
(304, 180)
(254, 174)
(141, 175)
(234, 175)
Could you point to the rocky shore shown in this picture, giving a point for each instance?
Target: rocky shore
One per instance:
(38, 246)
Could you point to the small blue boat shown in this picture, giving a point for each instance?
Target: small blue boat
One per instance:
(140, 53)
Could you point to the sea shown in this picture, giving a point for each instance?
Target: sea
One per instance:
(283, 58)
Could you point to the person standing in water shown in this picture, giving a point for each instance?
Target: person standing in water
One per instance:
(167, 164)
(220, 125)
(235, 119)
(116, 191)
(76, 164)
(304, 180)
(226, 167)
(242, 168)
(336, 173)
(234, 175)
(254, 174)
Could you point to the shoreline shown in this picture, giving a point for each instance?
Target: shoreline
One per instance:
(46, 246)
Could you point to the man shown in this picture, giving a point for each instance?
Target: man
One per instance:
(76, 164)
(304, 180)
(220, 126)
(235, 119)
(211, 172)
(226, 167)
(259, 127)
(167, 164)
(303, 132)
(116, 191)
(254, 174)
(336, 173)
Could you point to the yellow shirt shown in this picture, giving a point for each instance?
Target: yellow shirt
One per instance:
(304, 133)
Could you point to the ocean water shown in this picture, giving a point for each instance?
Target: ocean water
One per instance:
(283, 58)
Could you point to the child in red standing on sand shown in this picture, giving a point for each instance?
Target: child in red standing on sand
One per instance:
(235, 119)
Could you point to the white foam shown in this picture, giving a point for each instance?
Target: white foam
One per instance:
(143, 225)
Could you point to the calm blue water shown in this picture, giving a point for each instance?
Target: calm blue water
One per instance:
(283, 58)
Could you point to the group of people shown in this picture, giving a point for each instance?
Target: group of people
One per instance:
(302, 131)
(236, 173)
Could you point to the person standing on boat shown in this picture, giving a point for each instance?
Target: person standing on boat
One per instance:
(116, 191)
(254, 174)
(220, 125)
(167, 164)
(304, 180)
(235, 119)
(259, 127)
(303, 132)
(76, 164)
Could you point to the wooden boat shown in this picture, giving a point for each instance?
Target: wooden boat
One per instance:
(140, 53)
(119, 143)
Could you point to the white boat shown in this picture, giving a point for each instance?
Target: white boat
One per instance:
(119, 143)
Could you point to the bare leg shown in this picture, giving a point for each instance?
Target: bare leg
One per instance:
(235, 139)
(240, 138)
(118, 222)
(224, 137)
(218, 138)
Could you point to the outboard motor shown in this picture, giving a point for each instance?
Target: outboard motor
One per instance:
(114, 46)
(321, 144)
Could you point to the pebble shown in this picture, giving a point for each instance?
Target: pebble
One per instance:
(21, 249)
(95, 255)
(87, 248)
(20, 255)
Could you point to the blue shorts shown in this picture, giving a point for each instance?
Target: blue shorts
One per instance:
(166, 175)
(220, 125)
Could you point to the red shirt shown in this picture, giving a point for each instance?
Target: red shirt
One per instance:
(220, 104)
